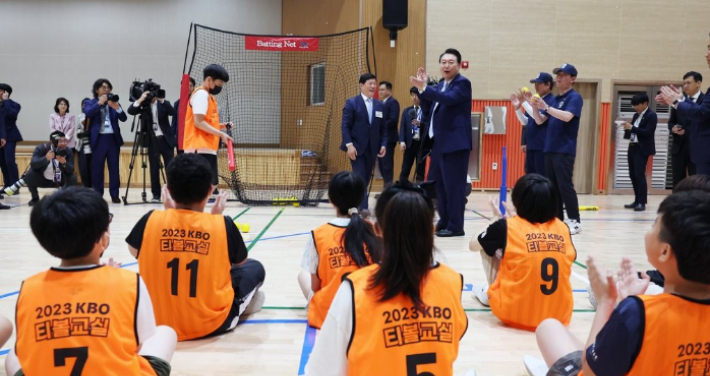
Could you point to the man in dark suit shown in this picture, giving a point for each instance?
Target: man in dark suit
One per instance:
(699, 116)
(3, 140)
(640, 133)
(106, 137)
(363, 130)
(176, 106)
(449, 106)
(679, 126)
(52, 166)
(9, 110)
(391, 120)
(410, 137)
(162, 140)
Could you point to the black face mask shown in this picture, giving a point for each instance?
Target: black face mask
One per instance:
(216, 90)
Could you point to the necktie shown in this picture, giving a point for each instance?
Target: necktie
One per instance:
(368, 104)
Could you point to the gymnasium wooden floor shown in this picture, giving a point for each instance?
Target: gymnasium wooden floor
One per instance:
(272, 341)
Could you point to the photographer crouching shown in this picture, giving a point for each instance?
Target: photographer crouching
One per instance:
(155, 125)
(52, 166)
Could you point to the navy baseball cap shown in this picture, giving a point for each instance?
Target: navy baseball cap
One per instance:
(567, 68)
(541, 78)
(6, 87)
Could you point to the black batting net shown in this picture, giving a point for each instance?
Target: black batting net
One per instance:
(285, 98)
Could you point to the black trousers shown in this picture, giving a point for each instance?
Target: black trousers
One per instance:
(681, 164)
(85, 170)
(702, 168)
(535, 162)
(245, 279)
(410, 158)
(212, 160)
(637, 173)
(386, 164)
(559, 169)
(156, 150)
(362, 166)
(35, 180)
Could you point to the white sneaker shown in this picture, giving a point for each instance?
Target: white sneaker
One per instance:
(481, 293)
(592, 298)
(535, 366)
(470, 373)
(574, 226)
(257, 301)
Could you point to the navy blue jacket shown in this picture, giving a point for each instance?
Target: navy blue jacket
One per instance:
(684, 122)
(391, 118)
(357, 129)
(10, 109)
(452, 119)
(645, 132)
(561, 136)
(699, 116)
(405, 127)
(92, 110)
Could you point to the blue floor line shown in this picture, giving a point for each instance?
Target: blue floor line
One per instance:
(309, 339)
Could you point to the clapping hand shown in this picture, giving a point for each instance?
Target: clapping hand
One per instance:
(629, 281)
(604, 287)
(509, 209)
(220, 203)
(113, 263)
(669, 94)
(515, 101)
(421, 79)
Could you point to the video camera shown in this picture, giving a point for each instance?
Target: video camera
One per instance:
(138, 88)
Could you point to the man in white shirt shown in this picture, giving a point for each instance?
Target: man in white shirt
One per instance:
(640, 133)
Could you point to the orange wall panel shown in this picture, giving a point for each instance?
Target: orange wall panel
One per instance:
(492, 147)
(604, 152)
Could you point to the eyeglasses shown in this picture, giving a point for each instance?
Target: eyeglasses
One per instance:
(110, 218)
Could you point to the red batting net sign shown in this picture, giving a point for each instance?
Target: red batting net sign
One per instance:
(261, 43)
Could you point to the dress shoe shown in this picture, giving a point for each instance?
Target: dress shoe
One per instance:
(449, 234)
(116, 200)
(4, 207)
(640, 207)
(630, 206)
(33, 202)
(440, 227)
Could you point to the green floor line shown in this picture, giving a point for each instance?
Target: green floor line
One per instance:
(256, 240)
(580, 264)
(240, 214)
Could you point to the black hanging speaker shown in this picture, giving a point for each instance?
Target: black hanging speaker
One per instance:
(394, 17)
(394, 14)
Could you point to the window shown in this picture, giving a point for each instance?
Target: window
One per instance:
(317, 84)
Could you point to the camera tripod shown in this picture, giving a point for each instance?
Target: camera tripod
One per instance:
(144, 143)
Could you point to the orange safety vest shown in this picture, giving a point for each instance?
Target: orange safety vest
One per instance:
(333, 263)
(195, 139)
(67, 323)
(533, 281)
(394, 338)
(185, 265)
(676, 337)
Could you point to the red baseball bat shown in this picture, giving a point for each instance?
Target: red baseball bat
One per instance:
(230, 151)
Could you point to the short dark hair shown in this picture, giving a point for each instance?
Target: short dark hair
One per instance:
(694, 182)
(366, 77)
(535, 198)
(639, 98)
(387, 84)
(69, 222)
(56, 135)
(189, 178)
(215, 71)
(685, 226)
(452, 51)
(413, 90)
(192, 81)
(696, 76)
(60, 100)
(97, 85)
